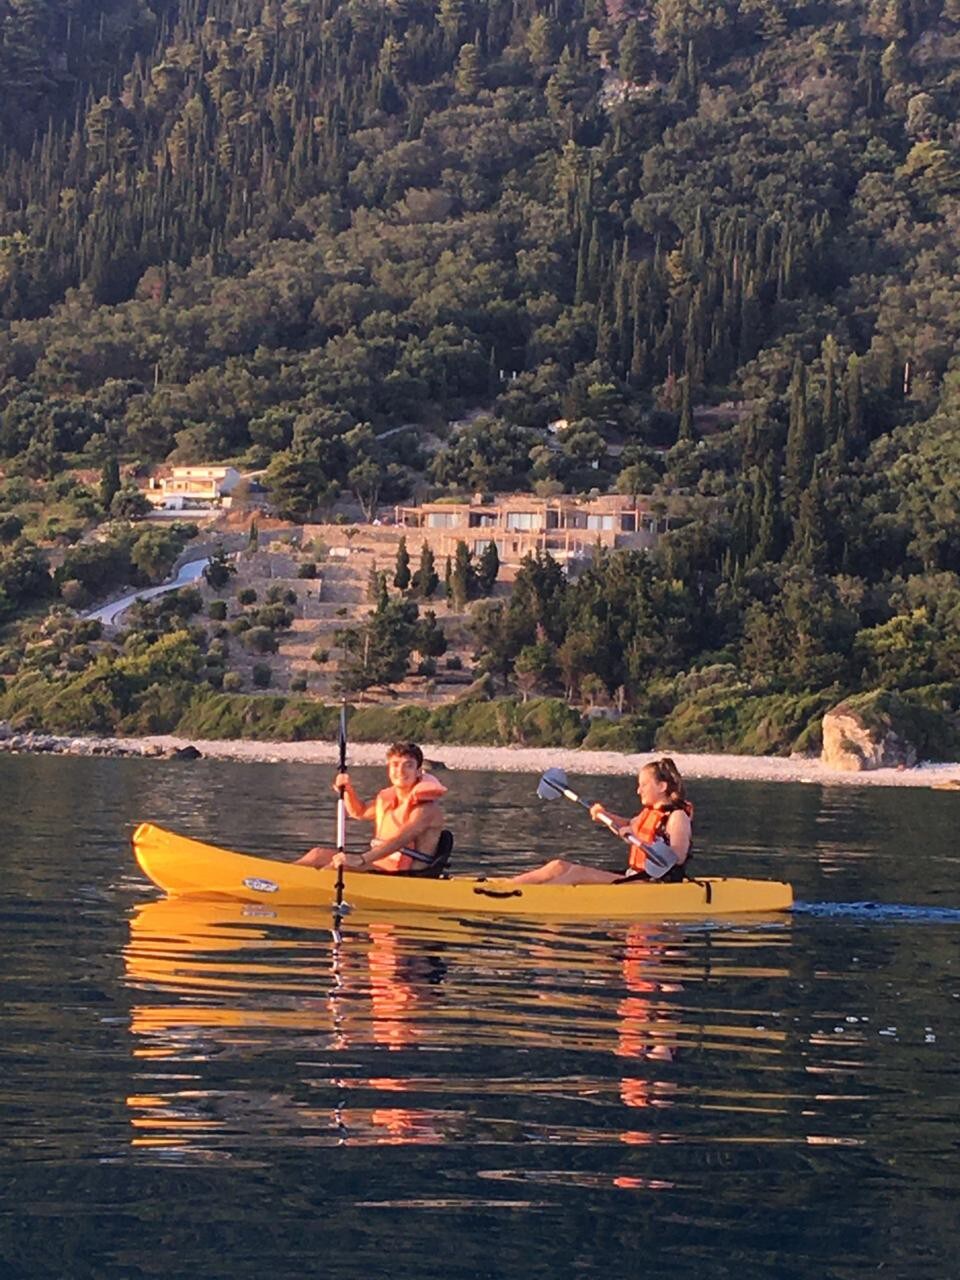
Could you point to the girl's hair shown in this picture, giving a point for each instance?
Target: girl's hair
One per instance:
(406, 750)
(664, 770)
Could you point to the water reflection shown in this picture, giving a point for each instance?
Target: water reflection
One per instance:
(769, 1100)
(367, 1018)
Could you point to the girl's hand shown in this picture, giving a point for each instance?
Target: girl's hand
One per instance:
(342, 780)
(598, 812)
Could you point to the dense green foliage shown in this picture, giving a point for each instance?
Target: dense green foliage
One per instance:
(275, 231)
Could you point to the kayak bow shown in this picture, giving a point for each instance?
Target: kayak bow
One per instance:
(181, 866)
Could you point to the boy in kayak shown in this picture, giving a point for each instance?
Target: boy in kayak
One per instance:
(406, 816)
(662, 827)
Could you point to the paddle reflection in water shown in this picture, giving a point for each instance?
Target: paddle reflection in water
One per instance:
(422, 1031)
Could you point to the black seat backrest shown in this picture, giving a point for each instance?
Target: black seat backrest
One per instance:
(441, 857)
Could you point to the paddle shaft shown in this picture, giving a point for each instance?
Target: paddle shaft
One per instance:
(603, 818)
(341, 804)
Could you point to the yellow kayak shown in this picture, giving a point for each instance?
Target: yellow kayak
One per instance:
(181, 866)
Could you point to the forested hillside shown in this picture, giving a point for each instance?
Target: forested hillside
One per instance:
(272, 231)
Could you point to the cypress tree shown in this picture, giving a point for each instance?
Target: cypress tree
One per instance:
(488, 568)
(462, 577)
(809, 544)
(425, 580)
(109, 480)
(800, 444)
(853, 418)
(830, 409)
(767, 526)
(401, 575)
(686, 429)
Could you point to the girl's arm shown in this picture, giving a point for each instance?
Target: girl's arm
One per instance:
(681, 833)
(613, 820)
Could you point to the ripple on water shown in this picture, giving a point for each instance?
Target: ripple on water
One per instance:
(766, 1100)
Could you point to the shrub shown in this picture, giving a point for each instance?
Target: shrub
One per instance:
(454, 663)
(247, 595)
(320, 655)
(217, 610)
(262, 675)
(427, 667)
(232, 682)
(239, 625)
(274, 616)
(187, 601)
(74, 594)
(85, 632)
(390, 724)
(298, 683)
(260, 640)
(549, 722)
(274, 594)
(634, 733)
(308, 570)
(159, 709)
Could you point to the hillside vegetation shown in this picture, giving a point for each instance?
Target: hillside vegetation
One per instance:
(272, 231)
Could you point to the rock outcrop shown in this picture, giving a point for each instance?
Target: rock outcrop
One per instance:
(860, 735)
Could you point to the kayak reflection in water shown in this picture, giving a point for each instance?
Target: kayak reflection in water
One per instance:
(406, 816)
(660, 835)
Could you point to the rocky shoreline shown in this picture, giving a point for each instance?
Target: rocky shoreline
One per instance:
(501, 759)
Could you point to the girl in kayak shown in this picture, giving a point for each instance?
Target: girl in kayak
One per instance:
(406, 816)
(662, 827)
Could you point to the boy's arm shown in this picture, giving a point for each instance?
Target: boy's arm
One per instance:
(356, 808)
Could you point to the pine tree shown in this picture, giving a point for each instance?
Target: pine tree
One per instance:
(542, 41)
(469, 72)
(376, 585)
(632, 51)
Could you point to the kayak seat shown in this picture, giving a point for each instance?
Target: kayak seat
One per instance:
(441, 858)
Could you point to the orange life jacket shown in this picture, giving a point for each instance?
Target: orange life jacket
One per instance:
(392, 814)
(651, 824)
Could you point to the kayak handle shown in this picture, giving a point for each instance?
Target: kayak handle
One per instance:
(498, 893)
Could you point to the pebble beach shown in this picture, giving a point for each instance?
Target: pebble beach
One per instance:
(503, 759)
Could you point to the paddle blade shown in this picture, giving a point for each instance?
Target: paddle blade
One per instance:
(552, 784)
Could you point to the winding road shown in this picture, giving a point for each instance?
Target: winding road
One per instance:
(109, 613)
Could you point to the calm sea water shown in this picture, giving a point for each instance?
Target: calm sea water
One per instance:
(203, 1091)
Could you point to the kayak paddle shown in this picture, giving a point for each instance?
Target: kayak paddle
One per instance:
(554, 783)
(341, 810)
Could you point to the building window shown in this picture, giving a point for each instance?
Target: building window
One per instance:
(442, 519)
(520, 520)
(599, 522)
